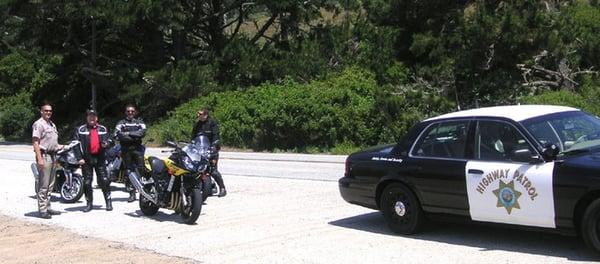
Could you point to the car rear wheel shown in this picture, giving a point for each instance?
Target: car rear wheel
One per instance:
(590, 226)
(401, 209)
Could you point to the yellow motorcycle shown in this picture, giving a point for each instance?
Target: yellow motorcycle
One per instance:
(174, 183)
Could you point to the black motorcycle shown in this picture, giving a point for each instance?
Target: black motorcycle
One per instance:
(114, 163)
(69, 182)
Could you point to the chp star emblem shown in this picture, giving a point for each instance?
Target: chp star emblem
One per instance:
(507, 196)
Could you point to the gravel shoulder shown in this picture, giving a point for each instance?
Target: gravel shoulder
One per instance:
(26, 242)
(271, 218)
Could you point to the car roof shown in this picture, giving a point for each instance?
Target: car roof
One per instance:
(515, 112)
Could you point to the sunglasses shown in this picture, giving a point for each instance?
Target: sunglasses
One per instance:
(130, 112)
(47, 111)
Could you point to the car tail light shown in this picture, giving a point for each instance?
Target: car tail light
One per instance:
(347, 167)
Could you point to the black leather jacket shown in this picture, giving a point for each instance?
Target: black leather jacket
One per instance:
(82, 134)
(209, 127)
(130, 132)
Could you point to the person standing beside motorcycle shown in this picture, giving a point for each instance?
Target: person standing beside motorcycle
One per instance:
(45, 146)
(130, 132)
(94, 140)
(209, 127)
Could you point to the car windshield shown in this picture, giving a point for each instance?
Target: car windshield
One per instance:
(570, 131)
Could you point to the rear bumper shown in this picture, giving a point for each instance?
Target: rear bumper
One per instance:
(356, 193)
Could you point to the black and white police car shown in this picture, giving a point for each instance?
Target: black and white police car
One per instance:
(524, 165)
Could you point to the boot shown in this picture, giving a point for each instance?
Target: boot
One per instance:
(88, 206)
(109, 204)
(131, 197)
(108, 200)
(89, 197)
(223, 192)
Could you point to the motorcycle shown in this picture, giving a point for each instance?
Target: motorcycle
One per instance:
(115, 166)
(113, 163)
(69, 182)
(174, 183)
(209, 185)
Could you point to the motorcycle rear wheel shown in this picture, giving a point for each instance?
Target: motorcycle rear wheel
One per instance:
(191, 212)
(71, 194)
(147, 207)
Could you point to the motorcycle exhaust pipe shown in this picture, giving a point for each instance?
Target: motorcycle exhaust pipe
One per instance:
(138, 185)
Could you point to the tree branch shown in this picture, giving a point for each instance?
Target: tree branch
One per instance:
(264, 28)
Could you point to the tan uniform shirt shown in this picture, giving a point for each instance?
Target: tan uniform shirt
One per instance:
(47, 133)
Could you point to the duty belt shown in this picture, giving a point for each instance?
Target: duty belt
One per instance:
(51, 153)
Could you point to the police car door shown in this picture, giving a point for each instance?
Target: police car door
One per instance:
(503, 190)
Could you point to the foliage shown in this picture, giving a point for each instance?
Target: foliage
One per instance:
(587, 100)
(338, 114)
(277, 70)
(16, 117)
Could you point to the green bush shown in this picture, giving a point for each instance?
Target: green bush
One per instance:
(338, 114)
(16, 117)
(587, 99)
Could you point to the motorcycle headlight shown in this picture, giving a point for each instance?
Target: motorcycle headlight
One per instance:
(188, 163)
(71, 158)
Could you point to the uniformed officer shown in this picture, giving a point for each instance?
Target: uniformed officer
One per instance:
(130, 132)
(94, 140)
(209, 127)
(45, 146)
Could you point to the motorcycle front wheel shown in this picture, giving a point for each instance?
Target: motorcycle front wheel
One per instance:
(191, 211)
(206, 189)
(147, 207)
(70, 193)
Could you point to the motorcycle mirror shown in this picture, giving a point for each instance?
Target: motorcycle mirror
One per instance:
(171, 144)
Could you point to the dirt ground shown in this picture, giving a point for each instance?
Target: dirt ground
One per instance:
(25, 242)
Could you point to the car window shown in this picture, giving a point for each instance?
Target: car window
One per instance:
(443, 140)
(569, 131)
(498, 141)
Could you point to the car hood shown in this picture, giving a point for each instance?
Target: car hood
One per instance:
(588, 160)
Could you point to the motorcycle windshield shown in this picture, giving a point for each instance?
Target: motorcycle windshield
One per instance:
(198, 148)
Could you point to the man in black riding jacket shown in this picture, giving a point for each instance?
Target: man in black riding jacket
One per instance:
(94, 140)
(130, 132)
(209, 127)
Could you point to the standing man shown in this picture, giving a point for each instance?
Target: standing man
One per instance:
(45, 146)
(130, 132)
(209, 127)
(94, 141)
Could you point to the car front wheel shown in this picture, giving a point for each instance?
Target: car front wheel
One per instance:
(590, 226)
(401, 209)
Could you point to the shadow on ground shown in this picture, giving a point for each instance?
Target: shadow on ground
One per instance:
(484, 236)
(80, 208)
(160, 216)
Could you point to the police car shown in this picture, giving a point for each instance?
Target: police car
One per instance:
(525, 165)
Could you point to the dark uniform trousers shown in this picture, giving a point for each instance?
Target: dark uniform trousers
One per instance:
(95, 163)
(133, 159)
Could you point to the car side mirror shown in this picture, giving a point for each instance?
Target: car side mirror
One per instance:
(171, 144)
(525, 155)
(550, 151)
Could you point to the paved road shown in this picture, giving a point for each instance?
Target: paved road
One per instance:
(289, 166)
(282, 220)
